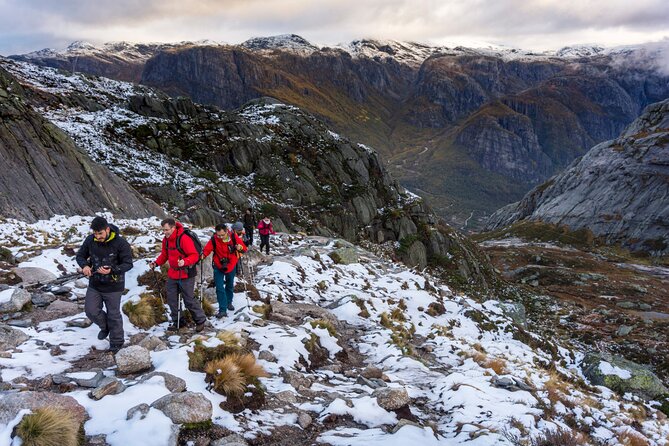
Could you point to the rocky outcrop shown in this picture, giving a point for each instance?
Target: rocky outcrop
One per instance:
(618, 190)
(44, 173)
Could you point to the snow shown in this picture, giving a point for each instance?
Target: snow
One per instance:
(608, 369)
(6, 295)
(365, 411)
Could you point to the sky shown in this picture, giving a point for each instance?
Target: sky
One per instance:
(28, 25)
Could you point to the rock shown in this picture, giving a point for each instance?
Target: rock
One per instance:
(624, 330)
(31, 275)
(61, 290)
(515, 311)
(133, 359)
(286, 397)
(267, 355)
(645, 307)
(622, 375)
(142, 409)
(92, 382)
(404, 422)
(436, 309)
(344, 256)
(19, 298)
(60, 308)
(371, 372)
(185, 407)
(296, 312)
(11, 338)
(108, 386)
(372, 383)
(392, 398)
(96, 440)
(172, 383)
(297, 379)
(42, 299)
(511, 384)
(259, 323)
(230, 440)
(81, 284)
(626, 305)
(153, 344)
(304, 420)
(12, 402)
(80, 322)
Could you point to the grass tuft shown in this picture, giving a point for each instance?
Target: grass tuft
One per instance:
(48, 426)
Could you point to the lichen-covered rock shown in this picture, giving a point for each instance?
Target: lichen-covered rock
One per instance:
(185, 407)
(11, 337)
(622, 375)
(392, 398)
(133, 359)
(12, 402)
(344, 256)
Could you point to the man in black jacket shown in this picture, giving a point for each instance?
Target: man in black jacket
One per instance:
(105, 257)
(249, 226)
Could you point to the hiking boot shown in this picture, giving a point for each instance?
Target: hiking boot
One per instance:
(115, 348)
(199, 327)
(230, 307)
(103, 334)
(221, 314)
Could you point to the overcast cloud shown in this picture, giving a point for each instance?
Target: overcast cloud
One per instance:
(28, 25)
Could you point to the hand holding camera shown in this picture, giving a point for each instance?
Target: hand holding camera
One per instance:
(106, 269)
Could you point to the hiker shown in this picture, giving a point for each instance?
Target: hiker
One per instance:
(104, 258)
(181, 254)
(238, 229)
(249, 226)
(265, 229)
(227, 247)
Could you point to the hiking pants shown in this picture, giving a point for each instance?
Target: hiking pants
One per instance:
(264, 241)
(187, 287)
(111, 319)
(225, 288)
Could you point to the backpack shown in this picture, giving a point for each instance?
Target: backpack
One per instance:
(192, 270)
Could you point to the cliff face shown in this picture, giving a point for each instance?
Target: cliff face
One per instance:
(618, 190)
(44, 173)
(500, 122)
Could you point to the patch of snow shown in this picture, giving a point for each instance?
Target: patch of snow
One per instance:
(609, 369)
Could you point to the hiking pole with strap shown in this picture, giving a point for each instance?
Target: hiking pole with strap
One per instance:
(179, 303)
(201, 283)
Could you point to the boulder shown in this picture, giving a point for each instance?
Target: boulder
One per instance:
(392, 398)
(173, 383)
(142, 409)
(133, 359)
(153, 343)
(185, 407)
(304, 420)
(31, 275)
(11, 338)
(18, 299)
(80, 322)
(60, 308)
(344, 256)
(230, 440)
(108, 386)
(622, 376)
(91, 382)
(12, 402)
(42, 299)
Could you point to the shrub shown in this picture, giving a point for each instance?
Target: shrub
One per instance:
(228, 338)
(325, 324)
(146, 313)
(232, 374)
(48, 427)
(201, 355)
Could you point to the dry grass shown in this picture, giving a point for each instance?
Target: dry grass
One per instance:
(478, 355)
(385, 320)
(228, 338)
(249, 367)
(264, 309)
(325, 324)
(233, 373)
(48, 427)
(630, 437)
(398, 315)
(146, 313)
(557, 389)
(208, 308)
(201, 355)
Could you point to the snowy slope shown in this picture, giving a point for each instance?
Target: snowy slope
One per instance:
(450, 364)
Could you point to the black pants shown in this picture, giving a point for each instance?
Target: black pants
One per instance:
(188, 295)
(264, 241)
(249, 234)
(111, 319)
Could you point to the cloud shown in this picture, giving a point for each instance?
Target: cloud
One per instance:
(545, 23)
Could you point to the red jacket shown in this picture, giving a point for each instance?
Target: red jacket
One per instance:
(225, 250)
(265, 229)
(171, 254)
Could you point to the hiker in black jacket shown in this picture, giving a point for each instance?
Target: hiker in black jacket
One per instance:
(249, 226)
(105, 257)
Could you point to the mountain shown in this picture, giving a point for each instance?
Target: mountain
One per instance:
(45, 173)
(469, 129)
(618, 190)
(208, 166)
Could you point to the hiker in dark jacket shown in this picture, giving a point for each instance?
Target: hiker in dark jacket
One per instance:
(104, 258)
(249, 226)
(265, 229)
(179, 251)
(226, 247)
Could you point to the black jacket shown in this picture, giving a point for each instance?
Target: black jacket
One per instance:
(114, 252)
(249, 221)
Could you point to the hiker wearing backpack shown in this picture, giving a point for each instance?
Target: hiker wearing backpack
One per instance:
(226, 247)
(249, 226)
(181, 251)
(265, 229)
(104, 258)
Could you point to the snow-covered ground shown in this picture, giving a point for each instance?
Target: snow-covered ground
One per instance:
(449, 361)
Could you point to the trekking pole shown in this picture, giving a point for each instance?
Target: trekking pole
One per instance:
(246, 287)
(179, 302)
(201, 282)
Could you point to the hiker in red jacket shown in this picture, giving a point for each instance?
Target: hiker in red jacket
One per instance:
(265, 229)
(179, 251)
(226, 246)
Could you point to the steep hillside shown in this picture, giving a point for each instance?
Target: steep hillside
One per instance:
(470, 129)
(619, 190)
(45, 173)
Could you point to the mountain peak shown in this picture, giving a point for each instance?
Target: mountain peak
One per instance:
(281, 41)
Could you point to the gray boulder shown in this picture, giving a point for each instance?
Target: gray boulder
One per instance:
(91, 382)
(133, 359)
(42, 299)
(622, 375)
(173, 383)
(142, 409)
(12, 402)
(230, 440)
(344, 256)
(60, 308)
(31, 275)
(392, 398)
(11, 338)
(185, 407)
(108, 386)
(80, 322)
(16, 302)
